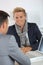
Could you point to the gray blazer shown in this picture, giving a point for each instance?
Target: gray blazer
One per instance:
(9, 52)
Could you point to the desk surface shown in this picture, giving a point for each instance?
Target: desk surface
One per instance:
(38, 60)
(37, 63)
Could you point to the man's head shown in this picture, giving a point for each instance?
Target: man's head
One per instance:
(19, 15)
(3, 22)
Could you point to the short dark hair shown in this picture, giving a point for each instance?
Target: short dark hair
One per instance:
(3, 16)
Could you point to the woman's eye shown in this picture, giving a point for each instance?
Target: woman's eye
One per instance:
(16, 17)
(20, 16)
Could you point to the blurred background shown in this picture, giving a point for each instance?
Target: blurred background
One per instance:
(34, 10)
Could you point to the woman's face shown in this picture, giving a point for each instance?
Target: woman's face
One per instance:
(19, 18)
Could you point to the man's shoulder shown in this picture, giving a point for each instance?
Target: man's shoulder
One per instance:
(9, 36)
(11, 40)
(5, 36)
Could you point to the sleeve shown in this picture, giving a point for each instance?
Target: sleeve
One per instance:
(38, 33)
(16, 53)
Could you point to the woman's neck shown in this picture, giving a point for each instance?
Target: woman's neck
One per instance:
(22, 27)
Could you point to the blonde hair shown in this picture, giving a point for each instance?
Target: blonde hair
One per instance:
(19, 9)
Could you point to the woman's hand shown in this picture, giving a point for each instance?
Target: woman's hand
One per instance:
(26, 49)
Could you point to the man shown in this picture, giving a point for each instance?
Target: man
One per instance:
(26, 34)
(9, 51)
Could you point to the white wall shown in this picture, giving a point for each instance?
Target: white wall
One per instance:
(34, 9)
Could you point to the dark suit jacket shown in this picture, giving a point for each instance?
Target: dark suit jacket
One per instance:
(34, 35)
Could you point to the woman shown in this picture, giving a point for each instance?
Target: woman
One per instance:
(26, 34)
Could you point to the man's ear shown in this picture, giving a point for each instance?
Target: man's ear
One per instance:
(3, 25)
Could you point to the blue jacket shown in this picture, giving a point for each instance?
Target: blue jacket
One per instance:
(34, 35)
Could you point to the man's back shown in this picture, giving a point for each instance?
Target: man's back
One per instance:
(9, 52)
(4, 58)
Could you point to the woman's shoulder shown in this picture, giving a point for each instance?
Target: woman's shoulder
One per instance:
(12, 27)
(32, 24)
